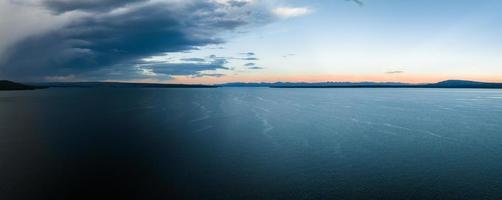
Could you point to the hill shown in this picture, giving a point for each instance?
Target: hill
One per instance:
(9, 85)
(464, 84)
(119, 85)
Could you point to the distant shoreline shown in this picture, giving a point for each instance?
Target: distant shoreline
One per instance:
(386, 86)
(450, 84)
(120, 85)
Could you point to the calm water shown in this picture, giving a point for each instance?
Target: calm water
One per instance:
(251, 143)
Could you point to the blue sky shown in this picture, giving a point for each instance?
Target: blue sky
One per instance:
(429, 39)
(281, 40)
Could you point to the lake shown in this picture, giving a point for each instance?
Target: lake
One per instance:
(251, 143)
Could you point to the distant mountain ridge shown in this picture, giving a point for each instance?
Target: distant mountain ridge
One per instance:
(306, 84)
(442, 84)
(9, 85)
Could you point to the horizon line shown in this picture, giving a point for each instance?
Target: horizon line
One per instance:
(255, 82)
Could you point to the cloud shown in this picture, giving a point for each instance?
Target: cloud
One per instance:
(287, 12)
(18, 21)
(252, 66)
(358, 2)
(193, 59)
(237, 3)
(394, 72)
(208, 75)
(113, 36)
(60, 6)
(186, 69)
(249, 54)
(289, 55)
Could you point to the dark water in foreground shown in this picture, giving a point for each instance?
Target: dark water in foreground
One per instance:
(251, 143)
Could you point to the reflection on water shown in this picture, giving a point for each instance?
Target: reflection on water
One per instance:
(251, 143)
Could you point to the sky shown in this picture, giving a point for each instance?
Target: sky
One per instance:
(218, 41)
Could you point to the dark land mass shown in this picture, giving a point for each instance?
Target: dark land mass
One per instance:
(9, 85)
(119, 85)
(443, 84)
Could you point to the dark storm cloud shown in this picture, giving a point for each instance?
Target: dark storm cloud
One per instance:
(194, 67)
(104, 40)
(60, 6)
(116, 72)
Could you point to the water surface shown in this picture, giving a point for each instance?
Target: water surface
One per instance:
(251, 143)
